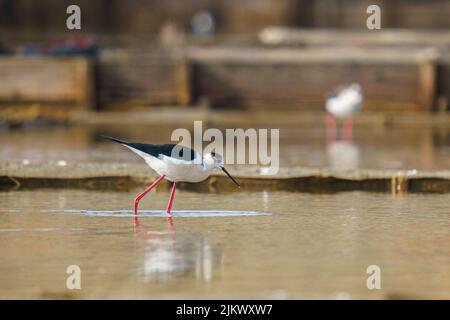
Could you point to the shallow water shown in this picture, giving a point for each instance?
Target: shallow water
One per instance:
(421, 148)
(304, 246)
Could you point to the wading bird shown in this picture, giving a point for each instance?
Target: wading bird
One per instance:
(343, 104)
(174, 163)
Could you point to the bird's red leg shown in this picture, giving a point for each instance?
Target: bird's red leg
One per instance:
(141, 195)
(172, 194)
(331, 128)
(348, 129)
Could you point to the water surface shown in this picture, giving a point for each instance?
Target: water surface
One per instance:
(421, 148)
(307, 246)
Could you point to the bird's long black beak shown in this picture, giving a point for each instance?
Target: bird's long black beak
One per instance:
(229, 176)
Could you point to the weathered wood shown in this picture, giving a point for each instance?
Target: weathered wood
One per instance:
(426, 14)
(301, 79)
(145, 16)
(184, 81)
(128, 77)
(47, 80)
(232, 16)
(284, 36)
(443, 83)
(436, 40)
(399, 184)
(427, 86)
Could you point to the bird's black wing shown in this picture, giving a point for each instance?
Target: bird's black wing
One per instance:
(155, 150)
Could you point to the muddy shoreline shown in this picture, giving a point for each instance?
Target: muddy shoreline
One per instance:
(126, 176)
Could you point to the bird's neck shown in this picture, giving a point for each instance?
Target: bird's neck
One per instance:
(208, 168)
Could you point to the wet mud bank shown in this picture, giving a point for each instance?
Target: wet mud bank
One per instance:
(124, 176)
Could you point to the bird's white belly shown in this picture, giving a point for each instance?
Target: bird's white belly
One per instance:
(187, 173)
(179, 170)
(344, 105)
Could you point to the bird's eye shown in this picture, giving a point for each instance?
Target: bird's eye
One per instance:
(213, 154)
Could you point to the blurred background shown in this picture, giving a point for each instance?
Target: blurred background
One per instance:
(247, 55)
(139, 69)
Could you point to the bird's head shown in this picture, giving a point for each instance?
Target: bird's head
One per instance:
(214, 160)
(356, 86)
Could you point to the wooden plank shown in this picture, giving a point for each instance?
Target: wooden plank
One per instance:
(145, 17)
(284, 36)
(256, 55)
(129, 77)
(429, 14)
(301, 79)
(427, 86)
(443, 83)
(232, 16)
(184, 81)
(46, 80)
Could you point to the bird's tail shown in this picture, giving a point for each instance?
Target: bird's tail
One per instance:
(115, 140)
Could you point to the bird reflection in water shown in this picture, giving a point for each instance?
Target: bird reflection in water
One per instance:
(343, 154)
(168, 256)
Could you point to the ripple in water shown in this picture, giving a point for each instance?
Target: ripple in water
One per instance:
(162, 213)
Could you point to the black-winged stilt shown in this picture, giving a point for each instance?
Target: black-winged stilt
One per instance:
(174, 163)
(343, 104)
